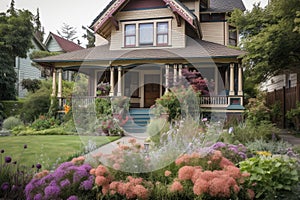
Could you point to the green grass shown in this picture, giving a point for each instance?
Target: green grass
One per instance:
(47, 150)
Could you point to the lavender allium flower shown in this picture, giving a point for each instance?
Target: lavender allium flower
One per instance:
(29, 187)
(65, 183)
(73, 197)
(218, 145)
(38, 197)
(2, 150)
(79, 174)
(25, 146)
(7, 159)
(5, 186)
(59, 174)
(87, 167)
(242, 155)
(65, 165)
(15, 162)
(51, 192)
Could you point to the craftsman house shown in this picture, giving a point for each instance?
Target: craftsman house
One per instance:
(149, 40)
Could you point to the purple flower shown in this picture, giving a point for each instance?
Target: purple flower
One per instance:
(73, 197)
(51, 192)
(204, 120)
(5, 186)
(29, 187)
(59, 174)
(65, 165)
(79, 174)
(218, 145)
(7, 159)
(2, 150)
(87, 184)
(25, 146)
(65, 183)
(242, 155)
(38, 166)
(38, 197)
(15, 162)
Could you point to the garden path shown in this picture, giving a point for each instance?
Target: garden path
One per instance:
(288, 137)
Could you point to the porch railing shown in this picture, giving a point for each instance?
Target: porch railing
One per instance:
(213, 100)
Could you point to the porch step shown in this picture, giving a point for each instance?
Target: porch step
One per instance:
(140, 118)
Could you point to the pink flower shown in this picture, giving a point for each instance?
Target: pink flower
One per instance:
(114, 185)
(135, 181)
(217, 155)
(251, 193)
(101, 170)
(105, 189)
(92, 171)
(201, 186)
(116, 166)
(186, 173)
(101, 180)
(167, 173)
(225, 162)
(176, 187)
(132, 140)
(141, 192)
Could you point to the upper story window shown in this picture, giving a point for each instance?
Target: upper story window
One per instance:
(162, 33)
(155, 33)
(146, 34)
(232, 36)
(214, 17)
(130, 35)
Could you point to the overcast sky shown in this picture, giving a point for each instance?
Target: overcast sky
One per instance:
(53, 13)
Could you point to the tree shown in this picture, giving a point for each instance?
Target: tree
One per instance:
(15, 40)
(89, 36)
(269, 38)
(38, 29)
(68, 32)
(31, 85)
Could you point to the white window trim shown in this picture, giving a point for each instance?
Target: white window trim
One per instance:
(137, 45)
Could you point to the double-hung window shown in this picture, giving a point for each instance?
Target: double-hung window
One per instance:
(130, 35)
(162, 33)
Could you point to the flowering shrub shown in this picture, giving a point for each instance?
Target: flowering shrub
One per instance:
(270, 175)
(11, 123)
(235, 153)
(44, 122)
(103, 89)
(70, 178)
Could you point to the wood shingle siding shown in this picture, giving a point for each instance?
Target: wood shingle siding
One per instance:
(214, 32)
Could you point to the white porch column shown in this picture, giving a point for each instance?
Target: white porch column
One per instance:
(59, 92)
(167, 78)
(240, 86)
(112, 80)
(53, 83)
(175, 74)
(231, 91)
(180, 71)
(226, 79)
(119, 93)
(216, 80)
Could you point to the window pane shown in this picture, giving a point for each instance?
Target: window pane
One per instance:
(130, 29)
(146, 34)
(162, 27)
(162, 39)
(130, 41)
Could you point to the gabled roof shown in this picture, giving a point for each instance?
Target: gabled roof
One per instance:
(195, 49)
(115, 5)
(39, 43)
(65, 45)
(225, 5)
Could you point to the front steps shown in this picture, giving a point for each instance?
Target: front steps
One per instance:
(139, 119)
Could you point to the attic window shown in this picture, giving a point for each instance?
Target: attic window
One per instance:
(146, 34)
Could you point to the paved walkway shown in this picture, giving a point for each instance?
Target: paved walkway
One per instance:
(287, 136)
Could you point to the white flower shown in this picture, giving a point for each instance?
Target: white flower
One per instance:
(230, 130)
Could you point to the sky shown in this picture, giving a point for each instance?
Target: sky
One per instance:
(76, 13)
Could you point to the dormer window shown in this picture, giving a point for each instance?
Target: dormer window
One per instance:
(130, 35)
(143, 33)
(146, 34)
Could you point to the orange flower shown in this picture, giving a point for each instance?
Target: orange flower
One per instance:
(92, 171)
(141, 192)
(101, 170)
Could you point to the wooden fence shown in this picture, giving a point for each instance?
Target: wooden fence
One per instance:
(287, 99)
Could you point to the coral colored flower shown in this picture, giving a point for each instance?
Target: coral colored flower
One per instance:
(116, 166)
(101, 170)
(105, 189)
(233, 172)
(135, 181)
(201, 186)
(114, 185)
(100, 180)
(186, 173)
(217, 155)
(92, 171)
(141, 192)
(251, 193)
(132, 140)
(196, 175)
(225, 162)
(176, 187)
(168, 173)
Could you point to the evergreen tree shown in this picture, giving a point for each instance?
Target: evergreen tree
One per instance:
(38, 29)
(89, 36)
(68, 32)
(15, 40)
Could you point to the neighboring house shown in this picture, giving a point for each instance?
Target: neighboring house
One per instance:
(55, 43)
(287, 80)
(149, 40)
(24, 68)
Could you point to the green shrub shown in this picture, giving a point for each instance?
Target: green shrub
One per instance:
(11, 122)
(12, 108)
(50, 131)
(271, 176)
(274, 147)
(37, 103)
(103, 107)
(2, 114)
(43, 123)
(293, 116)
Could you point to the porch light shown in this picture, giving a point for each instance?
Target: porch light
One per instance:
(146, 146)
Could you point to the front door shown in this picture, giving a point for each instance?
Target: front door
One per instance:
(151, 89)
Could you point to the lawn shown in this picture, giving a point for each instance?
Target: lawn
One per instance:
(47, 150)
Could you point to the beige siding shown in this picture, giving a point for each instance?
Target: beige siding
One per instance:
(99, 40)
(177, 35)
(214, 31)
(277, 82)
(190, 4)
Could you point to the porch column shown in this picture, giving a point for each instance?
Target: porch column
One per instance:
(180, 71)
(216, 80)
(175, 74)
(226, 79)
(231, 92)
(59, 92)
(53, 94)
(112, 80)
(240, 86)
(167, 78)
(119, 93)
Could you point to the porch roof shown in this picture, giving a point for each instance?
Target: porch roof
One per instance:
(194, 49)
